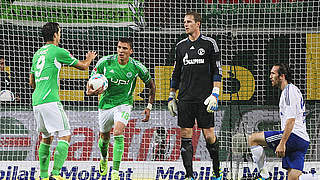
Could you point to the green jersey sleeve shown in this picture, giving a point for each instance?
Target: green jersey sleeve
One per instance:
(65, 57)
(143, 72)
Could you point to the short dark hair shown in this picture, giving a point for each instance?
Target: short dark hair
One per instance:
(284, 69)
(196, 16)
(127, 40)
(48, 31)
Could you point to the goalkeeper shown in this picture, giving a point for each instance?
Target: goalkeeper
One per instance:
(197, 74)
(116, 101)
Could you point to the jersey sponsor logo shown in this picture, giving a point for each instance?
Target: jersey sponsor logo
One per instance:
(201, 51)
(119, 81)
(192, 47)
(187, 61)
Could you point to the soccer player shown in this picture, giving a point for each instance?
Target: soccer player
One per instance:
(197, 74)
(48, 111)
(116, 101)
(292, 142)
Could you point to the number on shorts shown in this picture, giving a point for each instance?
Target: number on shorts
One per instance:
(125, 115)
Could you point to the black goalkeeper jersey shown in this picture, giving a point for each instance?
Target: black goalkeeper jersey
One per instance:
(196, 64)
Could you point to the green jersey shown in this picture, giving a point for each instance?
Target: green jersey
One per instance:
(121, 80)
(46, 65)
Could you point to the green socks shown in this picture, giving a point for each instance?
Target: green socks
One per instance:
(104, 146)
(118, 148)
(44, 158)
(60, 156)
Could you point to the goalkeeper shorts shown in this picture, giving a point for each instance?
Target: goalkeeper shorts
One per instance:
(189, 112)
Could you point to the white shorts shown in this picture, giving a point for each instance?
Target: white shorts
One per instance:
(119, 113)
(51, 119)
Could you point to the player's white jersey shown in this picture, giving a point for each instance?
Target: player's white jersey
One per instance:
(292, 106)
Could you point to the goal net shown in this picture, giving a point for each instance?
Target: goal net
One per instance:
(252, 36)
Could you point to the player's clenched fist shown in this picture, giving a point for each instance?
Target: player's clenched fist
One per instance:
(212, 101)
(172, 104)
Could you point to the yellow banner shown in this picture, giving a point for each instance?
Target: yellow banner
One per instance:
(313, 66)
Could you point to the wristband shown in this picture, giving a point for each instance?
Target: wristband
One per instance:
(172, 94)
(149, 106)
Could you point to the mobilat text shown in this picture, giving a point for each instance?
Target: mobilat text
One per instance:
(76, 173)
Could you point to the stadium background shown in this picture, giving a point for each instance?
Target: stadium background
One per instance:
(252, 36)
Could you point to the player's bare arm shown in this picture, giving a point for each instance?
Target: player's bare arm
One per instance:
(32, 82)
(281, 148)
(83, 65)
(217, 84)
(152, 94)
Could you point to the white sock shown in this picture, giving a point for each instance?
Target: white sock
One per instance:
(259, 158)
(264, 173)
(308, 177)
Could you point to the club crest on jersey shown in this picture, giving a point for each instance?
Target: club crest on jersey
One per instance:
(201, 51)
(129, 74)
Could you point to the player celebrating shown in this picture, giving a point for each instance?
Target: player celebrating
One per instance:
(48, 111)
(292, 142)
(116, 101)
(197, 74)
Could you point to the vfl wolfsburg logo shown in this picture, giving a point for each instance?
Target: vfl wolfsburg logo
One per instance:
(129, 74)
(14, 140)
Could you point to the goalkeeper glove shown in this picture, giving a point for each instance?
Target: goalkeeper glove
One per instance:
(172, 104)
(212, 100)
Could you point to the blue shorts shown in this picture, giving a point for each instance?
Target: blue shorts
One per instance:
(296, 149)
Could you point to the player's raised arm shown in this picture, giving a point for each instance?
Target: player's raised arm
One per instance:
(83, 65)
